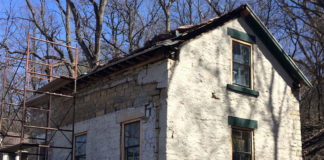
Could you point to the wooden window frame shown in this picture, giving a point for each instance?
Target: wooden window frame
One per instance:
(251, 63)
(122, 146)
(74, 139)
(252, 140)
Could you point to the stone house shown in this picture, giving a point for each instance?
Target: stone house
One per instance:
(222, 89)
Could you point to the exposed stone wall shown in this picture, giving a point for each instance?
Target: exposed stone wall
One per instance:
(199, 103)
(106, 102)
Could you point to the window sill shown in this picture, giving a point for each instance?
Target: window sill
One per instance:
(243, 90)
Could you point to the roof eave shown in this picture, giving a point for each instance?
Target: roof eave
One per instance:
(146, 51)
(273, 45)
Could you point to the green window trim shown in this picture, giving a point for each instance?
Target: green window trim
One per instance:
(241, 122)
(244, 90)
(241, 35)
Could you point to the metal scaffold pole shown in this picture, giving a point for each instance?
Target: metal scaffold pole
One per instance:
(28, 125)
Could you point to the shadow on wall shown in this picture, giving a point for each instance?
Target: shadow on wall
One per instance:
(199, 122)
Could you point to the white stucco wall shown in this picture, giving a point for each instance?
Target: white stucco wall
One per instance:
(103, 137)
(197, 126)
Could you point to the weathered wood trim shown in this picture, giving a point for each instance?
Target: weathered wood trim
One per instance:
(241, 35)
(123, 134)
(243, 90)
(243, 123)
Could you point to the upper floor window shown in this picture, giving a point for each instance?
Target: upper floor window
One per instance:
(80, 146)
(241, 67)
(242, 142)
(131, 140)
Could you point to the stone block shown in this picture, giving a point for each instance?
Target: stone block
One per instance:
(129, 114)
(149, 87)
(141, 100)
(100, 112)
(119, 88)
(103, 93)
(86, 98)
(132, 83)
(109, 109)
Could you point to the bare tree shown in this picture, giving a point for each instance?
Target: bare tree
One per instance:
(91, 51)
(114, 35)
(305, 23)
(166, 5)
(189, 12)
(48, 33)
(221, 7)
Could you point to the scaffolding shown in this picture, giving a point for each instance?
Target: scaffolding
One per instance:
(31, 82)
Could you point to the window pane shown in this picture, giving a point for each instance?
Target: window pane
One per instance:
(80, 158)
(236, 52)
(241, 64)
(241, 75)
(246, 136)
(132, 153)
(241, 53)
(80, 147)
(237, 141)
(242, 144)
(241, 156)
(132, 134)
(132, 140)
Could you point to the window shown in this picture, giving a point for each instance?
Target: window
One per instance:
(242, 144)
(80, 146)
(131, 140)
(241, 67)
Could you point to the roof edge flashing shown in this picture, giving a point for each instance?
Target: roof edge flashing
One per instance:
(300, 75)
